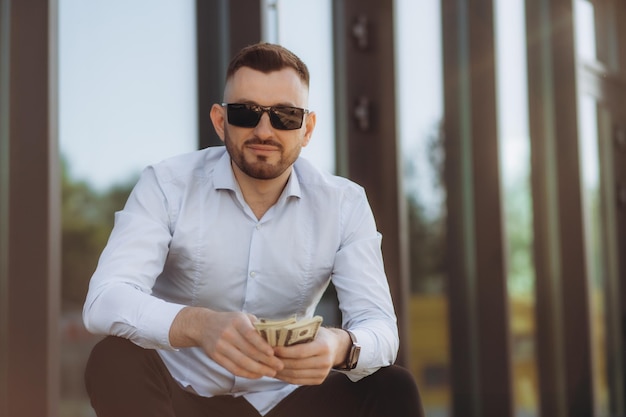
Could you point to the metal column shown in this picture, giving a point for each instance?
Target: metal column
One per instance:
(479, 318)
(30, 205)
(223, 27)
(366, 129)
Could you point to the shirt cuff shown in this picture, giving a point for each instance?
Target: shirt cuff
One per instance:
(156, 321)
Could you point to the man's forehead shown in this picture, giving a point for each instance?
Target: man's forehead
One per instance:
(247, 73)
(283, 85)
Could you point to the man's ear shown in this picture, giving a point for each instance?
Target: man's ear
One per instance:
(218, 118)
(309, 126)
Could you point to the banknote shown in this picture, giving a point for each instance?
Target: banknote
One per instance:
(302, 331)
(270, 329)
(290, 331)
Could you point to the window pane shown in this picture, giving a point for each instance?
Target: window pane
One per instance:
(584, 16)
(311, 39)
(127, 82)
(514, 141)
(420, 114)
(597, 268)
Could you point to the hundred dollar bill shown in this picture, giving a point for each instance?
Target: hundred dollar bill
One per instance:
(302, 331)
(287, 332)
(269, 329)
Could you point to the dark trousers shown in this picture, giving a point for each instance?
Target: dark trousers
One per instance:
(123, 379)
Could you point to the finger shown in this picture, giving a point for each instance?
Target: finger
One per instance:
(244, 366)
(238, 370)
(317, 362)
(301, 351)
(248, 355)
(257, 348)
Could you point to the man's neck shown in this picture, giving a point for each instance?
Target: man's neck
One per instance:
(261, 194)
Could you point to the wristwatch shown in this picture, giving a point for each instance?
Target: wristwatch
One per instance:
(353, 354)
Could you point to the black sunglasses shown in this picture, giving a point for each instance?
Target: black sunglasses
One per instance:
(281, 117)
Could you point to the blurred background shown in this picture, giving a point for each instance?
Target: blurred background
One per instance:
(490, 136)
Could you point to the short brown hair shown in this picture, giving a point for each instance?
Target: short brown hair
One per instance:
(267, 57)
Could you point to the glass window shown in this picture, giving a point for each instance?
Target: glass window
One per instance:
(595, 246)
(127, 92)
(584, 21)
(514, 142)
(312, 40)
(420, 116)
(597, 198)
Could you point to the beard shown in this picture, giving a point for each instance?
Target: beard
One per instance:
(260, 168)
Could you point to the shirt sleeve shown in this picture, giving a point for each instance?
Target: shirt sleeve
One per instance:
(119, 301)
(363, 291)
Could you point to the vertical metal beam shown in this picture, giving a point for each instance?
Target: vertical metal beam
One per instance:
(460, 228)
(563, 326)
(480, 346)
(5, 24)
(549, 337)
(222, 30)
(573, 280)
(366, 131)
(619, 164)
(30, 220)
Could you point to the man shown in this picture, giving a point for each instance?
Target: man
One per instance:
(212, 242)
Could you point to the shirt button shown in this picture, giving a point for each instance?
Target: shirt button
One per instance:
(258, 227)
(252, 274)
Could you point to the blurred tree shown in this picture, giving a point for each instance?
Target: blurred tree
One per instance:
(87, 217)
(425, 193)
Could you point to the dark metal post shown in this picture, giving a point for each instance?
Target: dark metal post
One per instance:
(366, 131)
(222, 30)
(479, 319)
(30, 218)
(549, 338)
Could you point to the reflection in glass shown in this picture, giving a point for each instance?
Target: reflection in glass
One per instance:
(312, 40)
(420, 114)
(594, 246)
(584, 22)
(127, 99)
(514, 141)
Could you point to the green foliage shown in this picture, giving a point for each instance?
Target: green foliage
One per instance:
(426, 208)
(87, 216)
(427, 251)
(519, 237)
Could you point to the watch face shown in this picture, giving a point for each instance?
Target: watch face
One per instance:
(354, 356)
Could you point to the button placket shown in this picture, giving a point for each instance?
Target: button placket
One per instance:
(253, 267)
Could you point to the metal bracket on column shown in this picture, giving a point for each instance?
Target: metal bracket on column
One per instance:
(362, 113)
(360, 32)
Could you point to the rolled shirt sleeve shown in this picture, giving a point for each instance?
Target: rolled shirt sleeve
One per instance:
(363, 291)
(119, 300)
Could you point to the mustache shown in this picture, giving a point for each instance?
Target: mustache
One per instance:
(258, 141)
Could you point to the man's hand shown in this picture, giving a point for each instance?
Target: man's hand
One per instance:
(310, 363)
(229, 339)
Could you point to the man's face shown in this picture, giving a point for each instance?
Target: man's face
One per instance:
(263, 152)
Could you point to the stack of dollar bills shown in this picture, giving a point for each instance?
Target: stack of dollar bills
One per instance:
(289, 331)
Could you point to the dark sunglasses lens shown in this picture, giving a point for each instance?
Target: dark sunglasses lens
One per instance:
(281, 117)
(286, 118)
(243, 115)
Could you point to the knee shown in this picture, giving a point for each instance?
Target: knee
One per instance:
(398, 388)
(111, 357)
(110, 350)
(397, 381)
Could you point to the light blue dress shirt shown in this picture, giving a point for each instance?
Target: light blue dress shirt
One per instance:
(186, 237)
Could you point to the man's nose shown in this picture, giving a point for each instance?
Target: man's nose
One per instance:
(264, 127)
